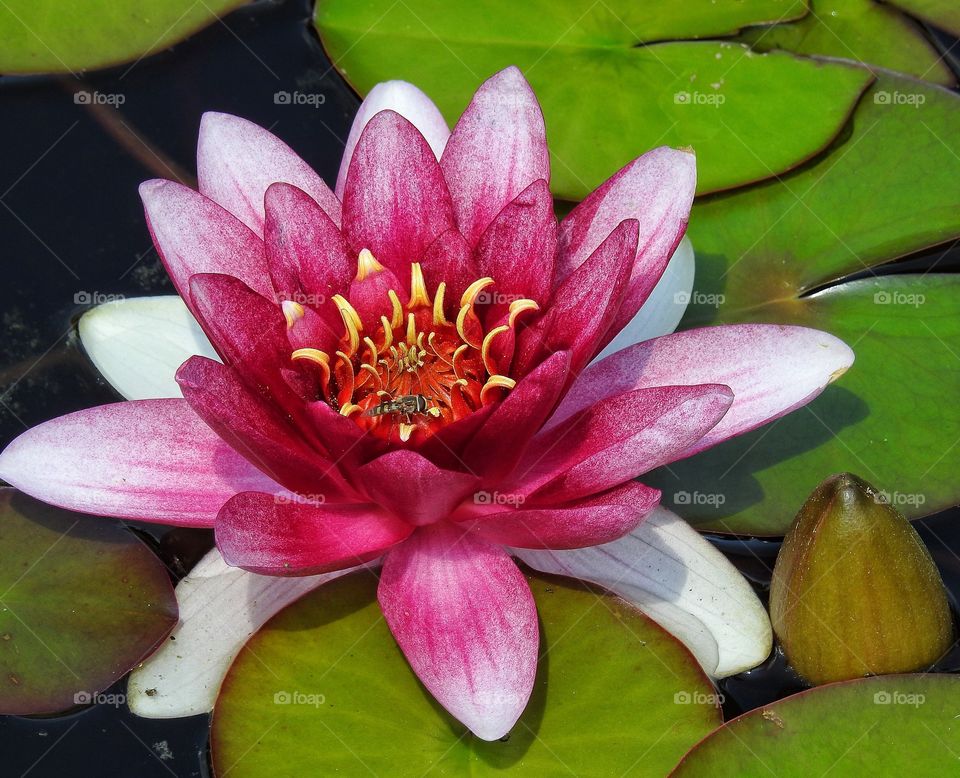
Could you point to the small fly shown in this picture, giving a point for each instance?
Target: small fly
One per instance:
(405, 405)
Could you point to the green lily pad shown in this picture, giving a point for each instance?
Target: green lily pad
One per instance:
(944, 14)
(862, 30)
(323, 689)
(49, 36)
(81, 602)
(886, 190)
(605, 98)
(887, 725)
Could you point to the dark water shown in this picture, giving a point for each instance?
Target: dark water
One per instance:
(72, 232)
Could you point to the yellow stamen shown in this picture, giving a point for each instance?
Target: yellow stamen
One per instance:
(496, 382)
(292, 312)
(387, 332)
(406, 430)
(411, 330)
(373, 349)
(397, 318)
(374, 372)
(418, 288)
(316, 356)
(456, 356)
(485, 348)
(349, 409)
(521, 306)
(474, 289)
(367, 264)
(461, 321)
(347, 310)
(438, 318)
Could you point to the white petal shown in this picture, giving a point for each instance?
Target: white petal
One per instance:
(220, 608)
(138, 344)
(664, 308)
(410, 103)
(682, 582)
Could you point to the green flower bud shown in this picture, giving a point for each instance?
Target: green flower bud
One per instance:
(854, 590)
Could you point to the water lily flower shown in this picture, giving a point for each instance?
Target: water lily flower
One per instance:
(402, 372)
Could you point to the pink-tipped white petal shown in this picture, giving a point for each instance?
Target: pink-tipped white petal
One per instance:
(221, 607)
(193, 234)
(237, 160)
(464, 617)
(664, 308)
(408, 101)
(152, 460)
(497, 149)
(139, 343)
(771, 368)
(682, 582)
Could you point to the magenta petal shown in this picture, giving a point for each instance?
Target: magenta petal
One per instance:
(258, 430)
(411, 104)
(195, 235)
(464, 617)
(503, 438)
(305, 249)
(450, 259)
(290, 535)
(517, 249)
(237, 160)
(150, 460)
(584, 307)
(619, 438)
(396, 201)
(599, 519)
(771, 368)
(497, 149)
(657, 189)
(413, 487)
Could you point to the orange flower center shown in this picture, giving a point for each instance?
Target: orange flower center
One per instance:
(413, 372)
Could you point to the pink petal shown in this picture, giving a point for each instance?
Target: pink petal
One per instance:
(518, 247)
(503, 438)
(656, 189)
(195, 235)
(497, 149)
(237, 160)
(258, 430)
(771, 368)
(599, 519)
(150, 460)
(450, 259)
(396, 201)
(585, 306)
(412, 487)
(408, 101)
(283, 535)
(619, 438)
(463, 615)
(304, 247)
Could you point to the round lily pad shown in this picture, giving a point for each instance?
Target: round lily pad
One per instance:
(82, 600)
(886, 725)
(612, 82)
(780, 253)
(49, 36)
(323, 689)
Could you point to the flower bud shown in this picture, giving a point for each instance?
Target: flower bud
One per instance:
(854, 590)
